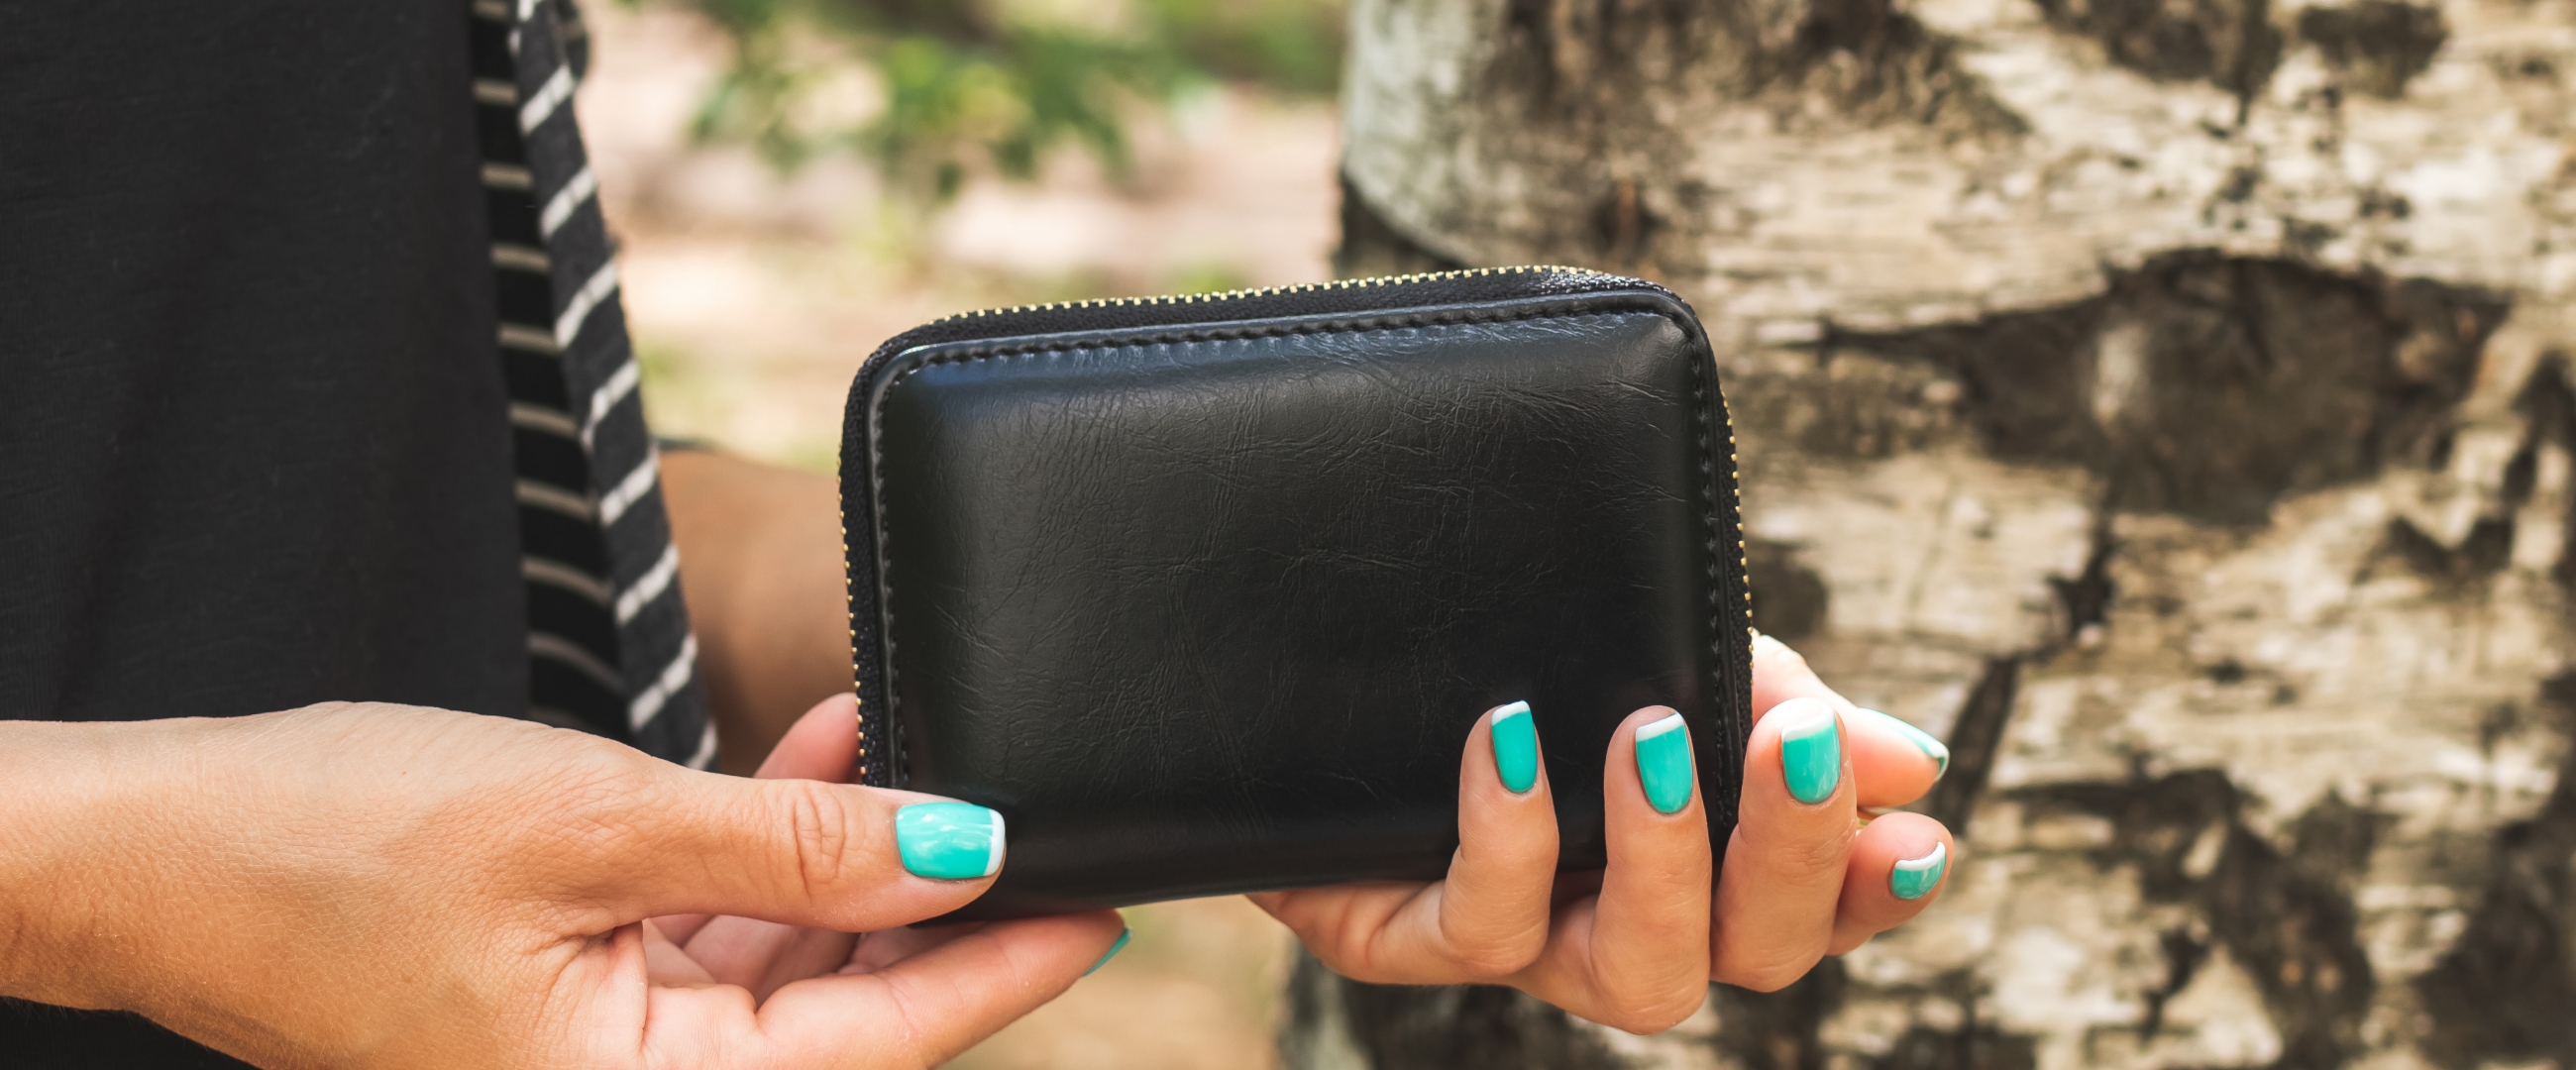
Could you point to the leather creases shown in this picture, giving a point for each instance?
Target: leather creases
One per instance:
(1210, 607)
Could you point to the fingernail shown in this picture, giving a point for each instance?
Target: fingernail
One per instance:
(1811, 753)
(949, 841)
(1914, 878)
(1922, 740)
(1125, 935)
(1664, 764)
(1515, 747)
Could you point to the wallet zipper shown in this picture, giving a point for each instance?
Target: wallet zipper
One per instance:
(1250, 293)
(1098, 313)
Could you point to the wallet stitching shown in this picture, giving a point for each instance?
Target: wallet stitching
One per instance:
(1722, 739)
(1708, 543)
(899, 761)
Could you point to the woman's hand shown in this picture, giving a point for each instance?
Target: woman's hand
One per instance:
(386, 886)
(762, 956)
(1636, 945)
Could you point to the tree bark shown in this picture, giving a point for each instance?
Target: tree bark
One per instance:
(2169, 404)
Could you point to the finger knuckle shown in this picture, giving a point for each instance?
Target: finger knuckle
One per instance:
(915, 1015)
(1805, 853)
(1770, 975)
(552, 824)
(1498, 956)
(1826, 854)
(1525, 854)
(818, 828)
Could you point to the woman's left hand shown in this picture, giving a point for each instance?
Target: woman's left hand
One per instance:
(1635, 945)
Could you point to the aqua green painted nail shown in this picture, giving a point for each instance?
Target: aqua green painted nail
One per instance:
(1915, 878)
(1811, 754)
(949, 841)
(1664, 764)
(1515, 737)
(1124, 935)
(1922, 740)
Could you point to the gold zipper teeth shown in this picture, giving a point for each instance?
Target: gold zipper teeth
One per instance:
(1270, 291)
(858, 706)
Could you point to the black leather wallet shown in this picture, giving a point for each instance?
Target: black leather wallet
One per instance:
(1203, 594)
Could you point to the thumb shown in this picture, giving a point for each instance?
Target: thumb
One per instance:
(798, 852)
(822, 745)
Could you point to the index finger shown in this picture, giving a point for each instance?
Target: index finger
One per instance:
(917, 1012)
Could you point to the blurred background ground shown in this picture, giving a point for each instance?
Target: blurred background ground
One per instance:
(2210, 361)
(754, 291)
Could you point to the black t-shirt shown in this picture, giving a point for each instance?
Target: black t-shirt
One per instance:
(254, 442)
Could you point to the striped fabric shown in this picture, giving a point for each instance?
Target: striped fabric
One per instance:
(609, 647)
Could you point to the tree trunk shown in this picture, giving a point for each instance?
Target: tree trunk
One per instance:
(2167, 402)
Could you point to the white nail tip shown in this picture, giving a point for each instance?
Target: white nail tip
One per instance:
(1940, 853)
(1515, 709)
(993, 857)
(1811, 718)
(1657, 728)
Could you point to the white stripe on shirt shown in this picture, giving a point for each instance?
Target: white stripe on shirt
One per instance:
(548, 645)
(507, 176)
(541, 104)
(620, 383)
(534, 417)
(551, 497)
(558, 574)
(577, 311)
(654, 581)
(628, 491)
(568, 200)
(674, 677)
(518, 257)
(529, 339)
(706, 748)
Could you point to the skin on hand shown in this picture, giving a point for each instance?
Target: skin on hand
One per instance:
(761, 566)
(1896, 762)
(1803, 876)
(385, 886)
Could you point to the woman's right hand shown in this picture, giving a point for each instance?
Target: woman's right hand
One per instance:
(1635, 946)
(387, 886)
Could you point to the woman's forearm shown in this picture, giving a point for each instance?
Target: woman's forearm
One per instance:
(760, 563)
(367, 885)
(70, 865)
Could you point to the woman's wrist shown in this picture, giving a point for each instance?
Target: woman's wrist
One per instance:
(71, 858)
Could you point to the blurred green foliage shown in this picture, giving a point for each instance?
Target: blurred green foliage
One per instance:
(979, 83)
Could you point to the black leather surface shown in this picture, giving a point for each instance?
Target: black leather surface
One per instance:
(1211, 609)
